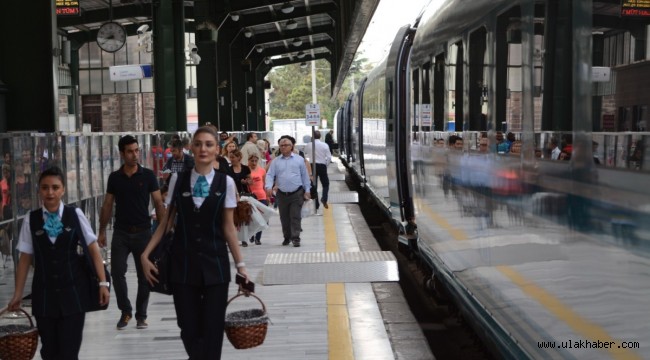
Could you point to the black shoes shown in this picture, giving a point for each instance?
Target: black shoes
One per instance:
(124, 320)
(142, 324)
(257, 242)
(325, 204)
(296, 244)
(286, 242)
(244, 244)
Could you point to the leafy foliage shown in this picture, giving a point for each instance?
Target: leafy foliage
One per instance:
(292, 89)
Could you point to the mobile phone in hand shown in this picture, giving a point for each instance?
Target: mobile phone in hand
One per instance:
(241, 280)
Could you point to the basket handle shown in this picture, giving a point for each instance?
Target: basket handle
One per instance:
(31, 323)
(249, 294)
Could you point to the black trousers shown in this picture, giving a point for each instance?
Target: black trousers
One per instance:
(201, 315)
(61, 336)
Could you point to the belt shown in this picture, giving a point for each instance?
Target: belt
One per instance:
(133, 229)
(289, 193)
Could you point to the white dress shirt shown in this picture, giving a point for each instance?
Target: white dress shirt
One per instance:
(323, 155)
(26, 242)
(231, 189)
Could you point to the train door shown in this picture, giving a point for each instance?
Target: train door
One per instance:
(358, 124)
(397, 140)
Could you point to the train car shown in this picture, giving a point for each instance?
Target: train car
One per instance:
(536, 221)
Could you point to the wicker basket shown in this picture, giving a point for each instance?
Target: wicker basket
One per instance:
(18, 342)
(246, 328)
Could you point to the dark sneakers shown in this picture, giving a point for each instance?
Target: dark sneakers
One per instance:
(286, 242)
(124, 320)
(296, 244)
(142, 324)
(257, 242)
(325, 204)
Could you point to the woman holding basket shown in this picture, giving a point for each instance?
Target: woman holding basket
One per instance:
(203, 201)
(60, 289)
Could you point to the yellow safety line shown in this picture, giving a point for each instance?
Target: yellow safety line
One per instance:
(586, 328)
(338, 321)
(456, 233)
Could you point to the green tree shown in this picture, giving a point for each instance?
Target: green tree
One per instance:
(292, 89)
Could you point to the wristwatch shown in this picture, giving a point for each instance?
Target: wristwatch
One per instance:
(104, 283)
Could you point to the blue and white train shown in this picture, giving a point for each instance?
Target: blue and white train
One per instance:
(536, 220)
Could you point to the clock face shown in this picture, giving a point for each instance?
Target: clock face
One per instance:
(111, 37)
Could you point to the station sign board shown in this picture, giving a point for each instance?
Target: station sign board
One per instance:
(312, 115)
(635, 8)
(130, 72)
(67, 8)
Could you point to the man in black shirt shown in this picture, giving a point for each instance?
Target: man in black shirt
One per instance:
(129, 187)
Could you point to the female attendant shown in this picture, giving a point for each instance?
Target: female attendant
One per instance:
(204, 201)
(60, 296)
(258, 176)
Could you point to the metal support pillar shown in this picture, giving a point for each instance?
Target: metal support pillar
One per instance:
(169, 65)
(30, 107)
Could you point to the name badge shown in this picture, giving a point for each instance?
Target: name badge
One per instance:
(39, 232)
(68, 229)
(218, 193)
(187, 194)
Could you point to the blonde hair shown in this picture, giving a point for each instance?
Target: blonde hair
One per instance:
(224, 151)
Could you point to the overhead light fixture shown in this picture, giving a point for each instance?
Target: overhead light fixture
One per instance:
(267, 60)
(259, 49)
(291, 24)
(234, 16)
(303, 65)
(248, 33)
(287, 8)
(297, 42)
(300, 55)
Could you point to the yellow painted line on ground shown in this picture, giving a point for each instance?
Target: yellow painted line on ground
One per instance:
(338, 320)
(456, 233)
(582, 326)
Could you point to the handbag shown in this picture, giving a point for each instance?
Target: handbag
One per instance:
(93, 279)
(161, 255)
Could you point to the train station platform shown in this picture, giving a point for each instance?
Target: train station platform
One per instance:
(311, 318)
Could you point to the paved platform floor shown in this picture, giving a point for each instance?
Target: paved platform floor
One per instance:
(309, 321)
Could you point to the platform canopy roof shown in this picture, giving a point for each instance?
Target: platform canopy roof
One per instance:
(276, 32)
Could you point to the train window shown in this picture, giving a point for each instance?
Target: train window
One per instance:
(439, 93)
(455, 87)
(415, 98)
(478, 89)
(425, 103)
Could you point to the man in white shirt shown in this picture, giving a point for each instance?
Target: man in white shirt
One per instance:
(323, 158)
(555, 150)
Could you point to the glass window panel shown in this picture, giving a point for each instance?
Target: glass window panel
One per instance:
(84, 82)
(134, 86)
(108, 59)
(94, 54)
(120, 56)
(147, 85)
(109, 86)
(83, 56)
(95, 81)
(120, 87)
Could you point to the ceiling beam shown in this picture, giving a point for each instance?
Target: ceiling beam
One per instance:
(295, 60)
(290, 34)
(280, 50)
(269, 17)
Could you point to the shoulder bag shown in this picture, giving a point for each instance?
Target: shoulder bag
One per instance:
(161, 254)
(93, 284)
